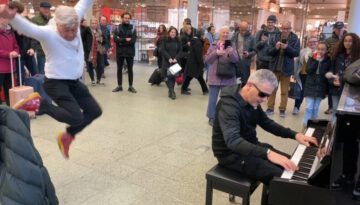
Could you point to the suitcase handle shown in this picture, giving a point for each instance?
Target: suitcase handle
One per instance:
(12, 71)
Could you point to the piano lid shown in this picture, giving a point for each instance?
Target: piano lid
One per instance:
(349, 103)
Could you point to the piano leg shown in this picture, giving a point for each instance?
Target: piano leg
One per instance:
(265, 195)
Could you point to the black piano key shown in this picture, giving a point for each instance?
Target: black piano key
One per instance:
(304, 169)
(302, 175)
(298, 178)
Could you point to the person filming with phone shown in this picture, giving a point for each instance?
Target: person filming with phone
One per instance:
(284, 49)
(220, 53)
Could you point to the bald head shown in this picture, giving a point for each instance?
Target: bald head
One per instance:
(243, 27)
(285, 29)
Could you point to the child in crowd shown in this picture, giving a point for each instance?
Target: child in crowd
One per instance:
(316, 83)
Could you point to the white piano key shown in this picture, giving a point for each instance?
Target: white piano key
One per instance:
(297, 155)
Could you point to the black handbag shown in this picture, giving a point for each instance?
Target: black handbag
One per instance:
(226, 70)
(294, 90)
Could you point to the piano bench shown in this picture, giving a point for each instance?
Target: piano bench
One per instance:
(231, 182)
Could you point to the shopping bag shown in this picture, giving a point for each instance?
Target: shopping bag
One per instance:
(175, 69)
(294, 90)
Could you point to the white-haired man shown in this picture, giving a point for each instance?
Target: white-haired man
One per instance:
(234, 139)
(63, 48)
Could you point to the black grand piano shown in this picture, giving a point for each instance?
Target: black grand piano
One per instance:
(310, 184)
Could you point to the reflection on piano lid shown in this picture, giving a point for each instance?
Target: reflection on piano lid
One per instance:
(349, 102)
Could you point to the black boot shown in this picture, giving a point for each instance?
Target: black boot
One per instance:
(172, 94)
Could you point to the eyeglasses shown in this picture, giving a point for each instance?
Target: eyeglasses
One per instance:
(261, 93)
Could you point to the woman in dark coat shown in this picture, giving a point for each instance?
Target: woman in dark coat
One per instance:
(195, 65)
(346, 52)
(171, 53)
(185, 41)
(161, 34)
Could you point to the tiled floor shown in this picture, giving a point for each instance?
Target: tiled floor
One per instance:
(144, 149)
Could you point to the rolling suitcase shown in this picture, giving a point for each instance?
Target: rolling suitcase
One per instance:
(19, 92)
(155, 78)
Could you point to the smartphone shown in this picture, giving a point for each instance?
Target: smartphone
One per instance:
(284, 41)
(227, 43)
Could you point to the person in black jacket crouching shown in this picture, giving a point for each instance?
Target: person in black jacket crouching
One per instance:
(234, 140)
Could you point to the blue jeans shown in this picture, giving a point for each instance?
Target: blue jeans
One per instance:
(214, 91)
(41, 63)
(312, 108)
(335, 104)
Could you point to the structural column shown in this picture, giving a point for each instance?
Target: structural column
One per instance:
(354, 16)
(192, 12)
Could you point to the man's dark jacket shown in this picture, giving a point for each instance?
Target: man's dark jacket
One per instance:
(40, 20)
(292, 51)
(125, 48)
(234, 130)
(23, 177)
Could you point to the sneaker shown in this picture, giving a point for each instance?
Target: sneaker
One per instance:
(93, 83)
(356, 192)
(103, 76)
(211, 122)
(206, 92)
(64, 140)
(132, 89)
(340, 182)
(100, 83)
(30, 103)
(185, 92)
(269, 111)
(117, 89)
(328, 111)
(282, 114)
(295, 111)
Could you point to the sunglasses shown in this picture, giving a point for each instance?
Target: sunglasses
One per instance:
(261, 93)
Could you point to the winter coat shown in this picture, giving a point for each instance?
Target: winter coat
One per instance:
(185, 47)
(87, 38)
(23, 177)
(263, 57)
(7, 44)
(234, 130)
(195, 62)
(39, 19)
(338, 68)
(316, 84)
(212, 59)
(249, 46)
(292, 51)
(170, 48)
(106, 36)
(125, 48)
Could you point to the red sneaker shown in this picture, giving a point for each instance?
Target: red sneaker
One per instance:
(64, 140)
(30, 103)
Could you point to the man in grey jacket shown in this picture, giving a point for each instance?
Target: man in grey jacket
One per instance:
(234, 140)
(244, 44)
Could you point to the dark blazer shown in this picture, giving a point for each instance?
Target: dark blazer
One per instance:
(292, 51)
(87, 38)
(316, 84)
(125, 48)
(23, 177)
(195, 62)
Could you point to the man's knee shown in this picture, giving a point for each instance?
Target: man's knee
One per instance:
(76, 119)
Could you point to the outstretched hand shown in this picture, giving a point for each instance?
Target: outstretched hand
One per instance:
(6, 12)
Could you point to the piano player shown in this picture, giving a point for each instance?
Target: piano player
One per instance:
(234, 140)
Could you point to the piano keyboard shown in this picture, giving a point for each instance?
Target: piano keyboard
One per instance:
(305, 158)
